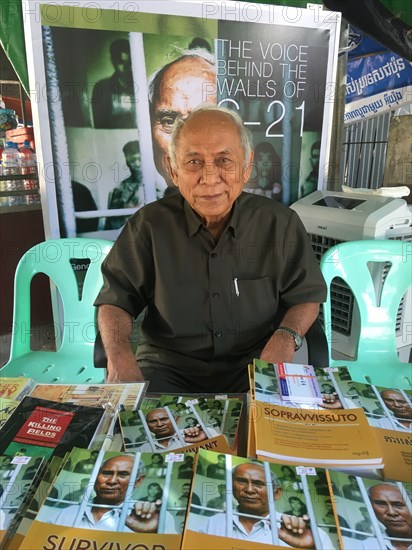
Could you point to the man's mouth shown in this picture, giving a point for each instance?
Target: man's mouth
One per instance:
(210, 197)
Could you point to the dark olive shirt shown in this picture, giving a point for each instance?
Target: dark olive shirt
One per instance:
(208, 303)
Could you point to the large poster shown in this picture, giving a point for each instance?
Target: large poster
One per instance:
(108, 80)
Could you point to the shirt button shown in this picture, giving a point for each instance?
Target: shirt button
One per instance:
(213, 255)
(215, 295)
(218, 334)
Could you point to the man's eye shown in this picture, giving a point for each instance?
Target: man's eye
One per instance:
(225, 162)
(193, 164)
(167, 122)
(258, 484)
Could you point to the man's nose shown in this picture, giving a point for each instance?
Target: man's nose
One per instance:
(210, 173)
(112, 479)
(249, 487)
(391, 510)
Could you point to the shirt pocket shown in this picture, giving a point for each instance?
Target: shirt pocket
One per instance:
(254, 305)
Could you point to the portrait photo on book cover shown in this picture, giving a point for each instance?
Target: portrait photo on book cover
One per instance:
(373, 514)
(255, 501)
(160, 429)
(121, 492)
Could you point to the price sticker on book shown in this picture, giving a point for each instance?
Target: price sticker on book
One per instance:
(172, 457)
(305, 470)
(21, 459)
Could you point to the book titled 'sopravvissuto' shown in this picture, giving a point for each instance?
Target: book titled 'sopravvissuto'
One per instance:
(298, 383)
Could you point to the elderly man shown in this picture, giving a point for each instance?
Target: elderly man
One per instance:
(110, 487)
(393, 513)
(401, 409)
(174, 91)
(166, 439)
(226, 276)
(251, 521)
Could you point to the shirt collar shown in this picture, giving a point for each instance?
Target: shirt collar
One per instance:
(113, 512)
(264, 524)
(194, 223)
(171, 441)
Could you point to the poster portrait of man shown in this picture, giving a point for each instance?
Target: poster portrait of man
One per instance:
(127, 75)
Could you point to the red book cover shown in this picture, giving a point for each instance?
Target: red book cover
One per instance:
(44, 427)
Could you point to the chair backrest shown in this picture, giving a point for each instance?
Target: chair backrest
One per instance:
(54, 258)
(378, 272)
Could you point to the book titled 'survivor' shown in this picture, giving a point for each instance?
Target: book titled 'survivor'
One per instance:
(298, 383)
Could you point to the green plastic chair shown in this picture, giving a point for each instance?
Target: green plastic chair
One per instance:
(376, 361)
(72, 362)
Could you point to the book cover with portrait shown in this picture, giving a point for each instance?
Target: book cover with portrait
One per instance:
(157, 428)
(18, 478)
(373, 513)
(114, 498)
(250, 504)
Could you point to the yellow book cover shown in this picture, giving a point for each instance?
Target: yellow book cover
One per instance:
(397, 454)
(93, 395)
(114, 500)
(159, 430)
(339, 437)
(42, 490)
(251, 434)
(242, 503)
(221, 413)
(372, 514)
(15, 388)
(7, 406)
(18, 478)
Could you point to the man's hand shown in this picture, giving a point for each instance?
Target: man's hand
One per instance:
(280, 347)
(295, 531)
(144, 518)
(331, 401)
(115, 326)
(194, 435)
(124, 370)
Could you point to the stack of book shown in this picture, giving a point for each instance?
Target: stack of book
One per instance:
(310, 459)
(294, 420)
(258, 504)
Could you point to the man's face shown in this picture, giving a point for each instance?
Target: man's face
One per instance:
(159, 423)
(153, 489)
(396, 403)
(391, 510)
(250, 489)
(221, 461)
(211, 169)
(286, 472)
(133, 162)
(185, 85)
(264, 163)
(123, 66)
(112, 480)
(314, 158)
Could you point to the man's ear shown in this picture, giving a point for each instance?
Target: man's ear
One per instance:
(173, 172)
(277, 493)
(248, 167)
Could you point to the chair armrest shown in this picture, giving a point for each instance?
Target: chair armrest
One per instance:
(99, 354)
(317, 343)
